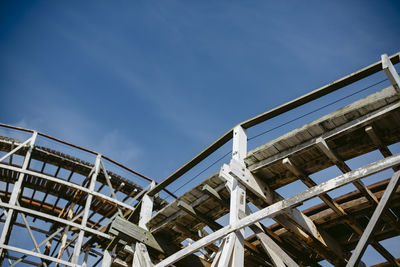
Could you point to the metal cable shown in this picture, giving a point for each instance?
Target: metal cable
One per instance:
(318, 109)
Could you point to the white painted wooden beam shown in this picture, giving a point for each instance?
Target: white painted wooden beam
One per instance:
(366, 236)
(16, 149)
(239, 147)
(108, 181)
(107, 259)
(227, 251)
(238, 195)
(78, 244)
(385, 151)
(391, 72)
(274, 251)
(323, 146)
(141, 254)
(310, 183)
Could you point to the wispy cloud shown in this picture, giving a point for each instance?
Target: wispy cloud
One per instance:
(156, 90)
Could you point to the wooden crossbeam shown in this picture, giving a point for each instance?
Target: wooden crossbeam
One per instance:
(270, 234)
(198, 215)
(291, 219)
(203, 218)
(366, 236)
(377, 141)
(336, 208)
(323, 146)
(358, 184)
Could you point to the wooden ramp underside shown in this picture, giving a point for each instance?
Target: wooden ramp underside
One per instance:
(344, 132)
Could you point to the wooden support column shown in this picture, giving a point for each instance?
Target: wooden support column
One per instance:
(238, 195)
(78, 244)
(278, 256)
(366, 236)
(232, 252)
(15, 193)
(141, 255)
(391, 72)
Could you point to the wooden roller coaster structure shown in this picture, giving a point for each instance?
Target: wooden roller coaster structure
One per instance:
(66, 205)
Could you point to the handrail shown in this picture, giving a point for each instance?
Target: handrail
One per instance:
(322, 91)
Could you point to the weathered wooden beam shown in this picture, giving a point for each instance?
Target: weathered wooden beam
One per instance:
(107, 259)
(377, 141)
(238, 193)
(9, 154)
(366, 236)
(195, 203)
(323, 146)
(310, 183)
(198, 215)
(124, 228)
(358, 184)
(391, 72)
(274, 251)
(78, 244)
(212, 192)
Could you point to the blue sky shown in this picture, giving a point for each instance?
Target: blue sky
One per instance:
(152, 83)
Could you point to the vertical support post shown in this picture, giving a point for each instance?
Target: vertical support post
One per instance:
(238, 196)
(391, 72)
(239, 149)
(78, 244)
(16, 191)
(141, 254)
